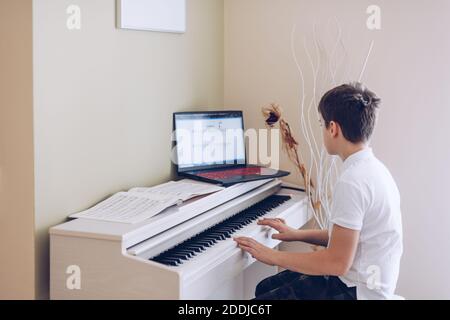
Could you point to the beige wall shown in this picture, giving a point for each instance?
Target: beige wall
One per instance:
(408, 68)
(16, 151)
(104, 100)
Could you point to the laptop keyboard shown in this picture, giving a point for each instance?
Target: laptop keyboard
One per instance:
(225, 174)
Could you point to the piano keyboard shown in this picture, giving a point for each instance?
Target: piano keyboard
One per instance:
(222, 231)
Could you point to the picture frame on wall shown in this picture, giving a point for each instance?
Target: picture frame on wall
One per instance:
(152, 15)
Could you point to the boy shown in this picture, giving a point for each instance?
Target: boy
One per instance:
(364, 241)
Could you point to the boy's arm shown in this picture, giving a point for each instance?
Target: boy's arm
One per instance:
(315, 237)
(335, 260)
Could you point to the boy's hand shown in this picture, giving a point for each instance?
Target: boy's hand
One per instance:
(257, 250)
(286, 233)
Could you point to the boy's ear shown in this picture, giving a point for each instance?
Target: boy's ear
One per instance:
(334, 129)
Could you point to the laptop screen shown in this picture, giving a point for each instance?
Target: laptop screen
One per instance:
(207, 140)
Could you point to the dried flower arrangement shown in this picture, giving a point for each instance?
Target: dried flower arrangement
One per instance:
(273, 117)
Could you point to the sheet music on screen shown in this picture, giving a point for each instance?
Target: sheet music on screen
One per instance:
(209, 139)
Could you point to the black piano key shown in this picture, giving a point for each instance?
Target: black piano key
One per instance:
(186, 252)
(211, 238)
(202, 242)
(175, 257)
(223, 230)
(227, 232)
(215, 237)
(171, 261)
(208, 242)
(195, 247)
(180, 256)
(235, 224)
(219, 235)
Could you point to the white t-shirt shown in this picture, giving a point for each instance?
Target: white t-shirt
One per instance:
(367, 199)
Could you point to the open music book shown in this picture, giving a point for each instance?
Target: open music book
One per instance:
(139, 204)
(182, 190)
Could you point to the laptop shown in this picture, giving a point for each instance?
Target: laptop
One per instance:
(210, 146)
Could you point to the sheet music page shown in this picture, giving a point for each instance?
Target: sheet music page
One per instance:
(128, 207)
(181, 189)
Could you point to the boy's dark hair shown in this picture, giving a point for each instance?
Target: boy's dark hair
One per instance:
(354, 108)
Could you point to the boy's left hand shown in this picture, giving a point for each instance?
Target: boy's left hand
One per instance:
(257, 250)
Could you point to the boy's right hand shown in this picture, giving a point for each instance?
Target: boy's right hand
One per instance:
(286, 233)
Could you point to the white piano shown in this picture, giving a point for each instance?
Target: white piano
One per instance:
(186, 252)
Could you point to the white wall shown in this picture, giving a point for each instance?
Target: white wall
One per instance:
(409, 69)
(103, 103)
